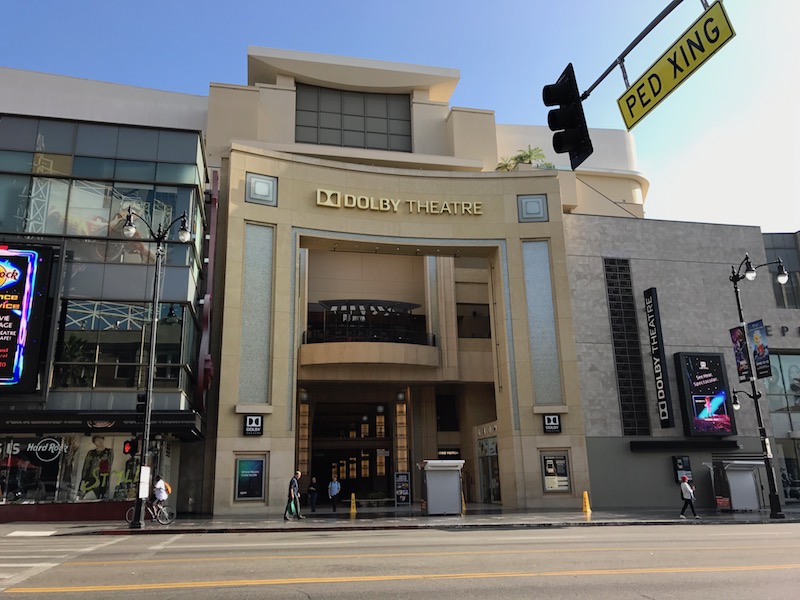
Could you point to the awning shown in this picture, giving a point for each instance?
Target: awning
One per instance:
(185, 425)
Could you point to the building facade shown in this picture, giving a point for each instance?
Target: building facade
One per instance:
(384, 295)
(77, 159)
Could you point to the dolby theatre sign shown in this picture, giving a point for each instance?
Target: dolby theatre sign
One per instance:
(338, 200)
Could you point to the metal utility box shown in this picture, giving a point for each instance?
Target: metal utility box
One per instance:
(442, 486)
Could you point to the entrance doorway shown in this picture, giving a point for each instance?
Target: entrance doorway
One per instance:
(354, 441)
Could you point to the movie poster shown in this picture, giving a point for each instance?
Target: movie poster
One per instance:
(704, 392)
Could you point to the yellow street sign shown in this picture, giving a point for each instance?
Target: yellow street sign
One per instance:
(698, 43)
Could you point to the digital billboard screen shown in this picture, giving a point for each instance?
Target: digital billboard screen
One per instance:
(705, 395)
(24, 275)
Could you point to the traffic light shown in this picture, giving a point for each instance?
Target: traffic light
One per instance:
(130, 446)
(571, 134)
(141, 406)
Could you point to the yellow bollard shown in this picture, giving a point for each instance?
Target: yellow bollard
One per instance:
(463, 505)
(586, 508)
(352, 505)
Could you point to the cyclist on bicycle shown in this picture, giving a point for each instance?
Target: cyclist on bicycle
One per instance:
(160, 493)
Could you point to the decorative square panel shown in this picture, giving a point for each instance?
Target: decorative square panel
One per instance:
(261, 189)
(533, 208)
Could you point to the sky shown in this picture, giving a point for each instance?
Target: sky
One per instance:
(722, 148)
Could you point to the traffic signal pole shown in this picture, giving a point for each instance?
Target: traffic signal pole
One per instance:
(621, 58)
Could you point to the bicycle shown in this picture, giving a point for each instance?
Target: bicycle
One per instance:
(162, 513)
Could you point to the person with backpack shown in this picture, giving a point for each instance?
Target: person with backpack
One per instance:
(161, 491)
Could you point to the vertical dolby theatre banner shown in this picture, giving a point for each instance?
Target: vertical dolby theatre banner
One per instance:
(23, 273)
(704, 393)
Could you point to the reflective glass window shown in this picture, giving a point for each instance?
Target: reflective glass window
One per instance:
(134, 170)
(177, 146)
(16, 162)
(137, 144)
(14, 191)
(55, 137)
(93, 168)
(174, 173)
(88, 209)
(96, 140)
(18, 133)
(47, 208)
(52, 164)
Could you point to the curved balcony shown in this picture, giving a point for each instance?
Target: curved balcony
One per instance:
(367, 332)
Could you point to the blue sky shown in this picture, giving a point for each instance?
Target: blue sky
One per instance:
(722, 148)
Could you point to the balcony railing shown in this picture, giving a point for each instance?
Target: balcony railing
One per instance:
(361, 333)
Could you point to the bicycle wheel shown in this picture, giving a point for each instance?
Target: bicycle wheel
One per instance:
(129, 514)
(166, 515)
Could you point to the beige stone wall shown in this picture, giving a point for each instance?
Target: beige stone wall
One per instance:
(393, 244)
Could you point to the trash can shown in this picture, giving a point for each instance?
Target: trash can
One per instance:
(442, 486)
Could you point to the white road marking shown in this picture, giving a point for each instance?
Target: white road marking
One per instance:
(166, 543)
(26, 570)
(31, 533)
(265, 545)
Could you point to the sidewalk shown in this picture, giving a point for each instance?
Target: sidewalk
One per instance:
(477, 516)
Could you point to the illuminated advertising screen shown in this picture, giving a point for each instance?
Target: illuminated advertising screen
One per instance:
(24, 273)
(705, 395)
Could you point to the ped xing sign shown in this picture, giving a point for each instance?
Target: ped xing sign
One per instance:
(698, 43)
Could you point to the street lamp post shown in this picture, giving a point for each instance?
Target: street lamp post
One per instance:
(735, 277)
(159, 237)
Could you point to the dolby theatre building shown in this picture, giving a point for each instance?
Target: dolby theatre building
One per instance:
(384, 297)
(389, 298)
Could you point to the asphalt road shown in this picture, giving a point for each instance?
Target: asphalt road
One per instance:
(651, 562)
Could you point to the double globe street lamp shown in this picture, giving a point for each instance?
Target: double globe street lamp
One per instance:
(782, 277)
(159, 236)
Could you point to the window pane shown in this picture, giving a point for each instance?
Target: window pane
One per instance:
(16, 162)
(353, 139)
(400, 143)
(353, 123)
(13, 202)
(134, 170)
(93, 168)
(330, 101)
(330, 120)
(376, 125)
(173, 173)
(137, 144)
(377, 140)
(331, 137)
(305, 135)
(177, 146)
(88, 210)
(48, 205)
(376, 105)
(307, 97)
(56, 137)
(52, 164)
(353, 103)
(306, 118)
(96, 140)
(399, 127)
(399, 106)
(18, 133)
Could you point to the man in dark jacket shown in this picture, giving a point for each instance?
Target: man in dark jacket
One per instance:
(293, 499)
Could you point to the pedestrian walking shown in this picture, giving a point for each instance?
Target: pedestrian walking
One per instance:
(312, 494)
(293, 498)
(687, 494)
(334, 487)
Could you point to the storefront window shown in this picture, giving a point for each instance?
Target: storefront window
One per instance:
(67, 468)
